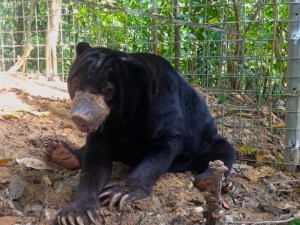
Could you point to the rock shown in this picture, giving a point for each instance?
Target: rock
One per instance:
(229, 218)
(16, 188)
(249, 203)
(268, 197)
(239, 167)
(74, 185)
(58, 186)
(297, 215)
(199, 209)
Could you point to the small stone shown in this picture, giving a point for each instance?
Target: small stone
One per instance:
(199, 209)
(74, 185)
(239, 167)
(229, 218)
(268, 197)
(16, 188)
(58, 186)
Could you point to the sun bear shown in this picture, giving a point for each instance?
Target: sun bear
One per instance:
(136, 109)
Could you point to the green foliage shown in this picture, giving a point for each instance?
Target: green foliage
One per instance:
(222, 98)
(248, 149)
(295, 222)
(210, 57)
(280, 160)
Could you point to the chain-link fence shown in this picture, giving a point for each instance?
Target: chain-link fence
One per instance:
(233, 52)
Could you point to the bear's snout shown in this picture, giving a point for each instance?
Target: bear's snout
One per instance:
(88, 111)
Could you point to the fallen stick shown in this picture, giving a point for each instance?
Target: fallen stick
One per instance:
(213, 197)
(262, 222)
(45, 217)
(20, 61)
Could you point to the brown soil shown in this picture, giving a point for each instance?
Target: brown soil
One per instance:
(32, 112)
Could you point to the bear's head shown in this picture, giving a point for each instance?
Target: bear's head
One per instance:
(105, 83)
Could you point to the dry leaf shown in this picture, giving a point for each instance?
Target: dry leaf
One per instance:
(225, 204)
(34, 163)
(274, 118)
(247, 115)
(246, 99)
(279, 125)
(3, 162)
(260, 158)
(8, 115)
(8, 220)
(258, 173)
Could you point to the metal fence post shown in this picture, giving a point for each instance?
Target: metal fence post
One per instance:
(292, 135)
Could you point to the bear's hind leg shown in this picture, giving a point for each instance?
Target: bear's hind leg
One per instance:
(218, 149)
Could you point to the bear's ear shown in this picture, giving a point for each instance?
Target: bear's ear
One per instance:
(81, 46)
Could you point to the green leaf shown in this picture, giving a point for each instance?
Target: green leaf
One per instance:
(222, 98)
(247, 150)
(82, 10)
(295, 222)
(213, 20)
(217, 36)
(280, 160)
(244, 149)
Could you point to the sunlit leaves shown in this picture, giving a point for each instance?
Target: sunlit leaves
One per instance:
(205, 52)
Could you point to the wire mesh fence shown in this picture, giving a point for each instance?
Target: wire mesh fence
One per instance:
(233, 52)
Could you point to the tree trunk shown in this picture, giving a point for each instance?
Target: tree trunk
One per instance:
(154, 29)
(177, 37)
(232, 66)
(52, 38)
(24, 68)
(21, 31)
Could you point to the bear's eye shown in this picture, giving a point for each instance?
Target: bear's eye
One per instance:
(108, 91)
(75, 83)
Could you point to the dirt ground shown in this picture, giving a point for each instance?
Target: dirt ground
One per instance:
(31, 112)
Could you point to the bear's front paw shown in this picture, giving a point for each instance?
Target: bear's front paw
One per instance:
(119, 193)
(79, 212)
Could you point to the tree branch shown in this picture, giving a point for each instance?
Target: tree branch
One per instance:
(140, 13)
(27, 37)
(254, 15)
(262, 222)
(237, 36)
(21, 60)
